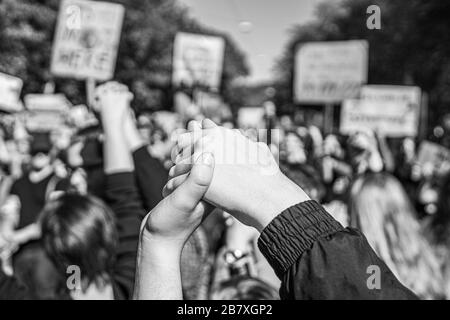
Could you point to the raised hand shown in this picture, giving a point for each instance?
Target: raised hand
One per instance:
(112, 100)
(247, 181)
(177, 216)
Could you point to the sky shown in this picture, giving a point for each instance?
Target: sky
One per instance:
(270, 22)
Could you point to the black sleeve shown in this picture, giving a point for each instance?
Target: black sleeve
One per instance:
(316, 258)
(122, 196)
(12, 289)
(151, 177)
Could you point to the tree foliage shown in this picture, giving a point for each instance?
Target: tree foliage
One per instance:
(144, 60)
(411, 48)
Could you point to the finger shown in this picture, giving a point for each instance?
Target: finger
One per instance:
(191, 152)
(173, 184)
(189, 138)
(194, 125)
(208, 124)
(188, 194)
(180, 169)
(203, 208)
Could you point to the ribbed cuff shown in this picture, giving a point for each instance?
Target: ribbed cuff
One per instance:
(293, 232)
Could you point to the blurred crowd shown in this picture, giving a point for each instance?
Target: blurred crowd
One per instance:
(366, 181)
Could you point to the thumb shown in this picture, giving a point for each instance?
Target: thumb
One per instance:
(191, 192)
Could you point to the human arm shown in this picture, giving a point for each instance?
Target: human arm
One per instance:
(314, 256)
(165, 231)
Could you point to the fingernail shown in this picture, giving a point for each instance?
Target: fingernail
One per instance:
(207, 159)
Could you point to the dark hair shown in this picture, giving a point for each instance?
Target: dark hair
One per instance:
(244, 288)
(80, 230)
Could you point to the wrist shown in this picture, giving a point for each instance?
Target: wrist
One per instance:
(158, 247)
(282, 196)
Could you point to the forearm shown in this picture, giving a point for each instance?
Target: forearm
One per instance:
(158, 274)
(31, 232)
(116, 154)
(132, 136)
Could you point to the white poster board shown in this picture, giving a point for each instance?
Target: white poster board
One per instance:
(86, 39)
(47, 102)
(43, 120)
(10, 88)
(391, 118)
(198, 59)
(385, 93)
(330, 72)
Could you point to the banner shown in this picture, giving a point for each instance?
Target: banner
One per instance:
(10, 88)
(198, 60)
(330, 72)
(86, 39)
(391, 118)
(47, 102)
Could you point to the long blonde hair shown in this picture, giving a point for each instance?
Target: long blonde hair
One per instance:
(382, 211)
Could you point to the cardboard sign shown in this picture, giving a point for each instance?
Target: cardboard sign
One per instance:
(86, 40)
(198, 60)
(43, 120)
(434, 156)
(10, 88)
(47, 102)
(385, 93)
(330, 72)
(393, 119)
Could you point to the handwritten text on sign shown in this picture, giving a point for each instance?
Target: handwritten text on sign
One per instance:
(394, 119)
(86, 40)
(329, 72)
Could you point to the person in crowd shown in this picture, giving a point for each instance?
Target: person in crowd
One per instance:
(82, 231)
(311, 253)
(34, 187)
(244, 288)
(438, 231)
(382, 211)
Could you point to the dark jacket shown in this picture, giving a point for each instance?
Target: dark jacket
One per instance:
(316, 258)
(151, 176)
(123, 198)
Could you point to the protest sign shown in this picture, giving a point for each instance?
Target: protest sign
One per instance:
(330, 72)
(41, 120)
(198, 60)
(434, 156)
(10, 88)
(47, 102)
(393, 119)
(86, 39)
(385, 93)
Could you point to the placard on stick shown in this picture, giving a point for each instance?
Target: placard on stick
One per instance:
(330, 72)
(198, 60)
(10, 88)
(86, 39)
